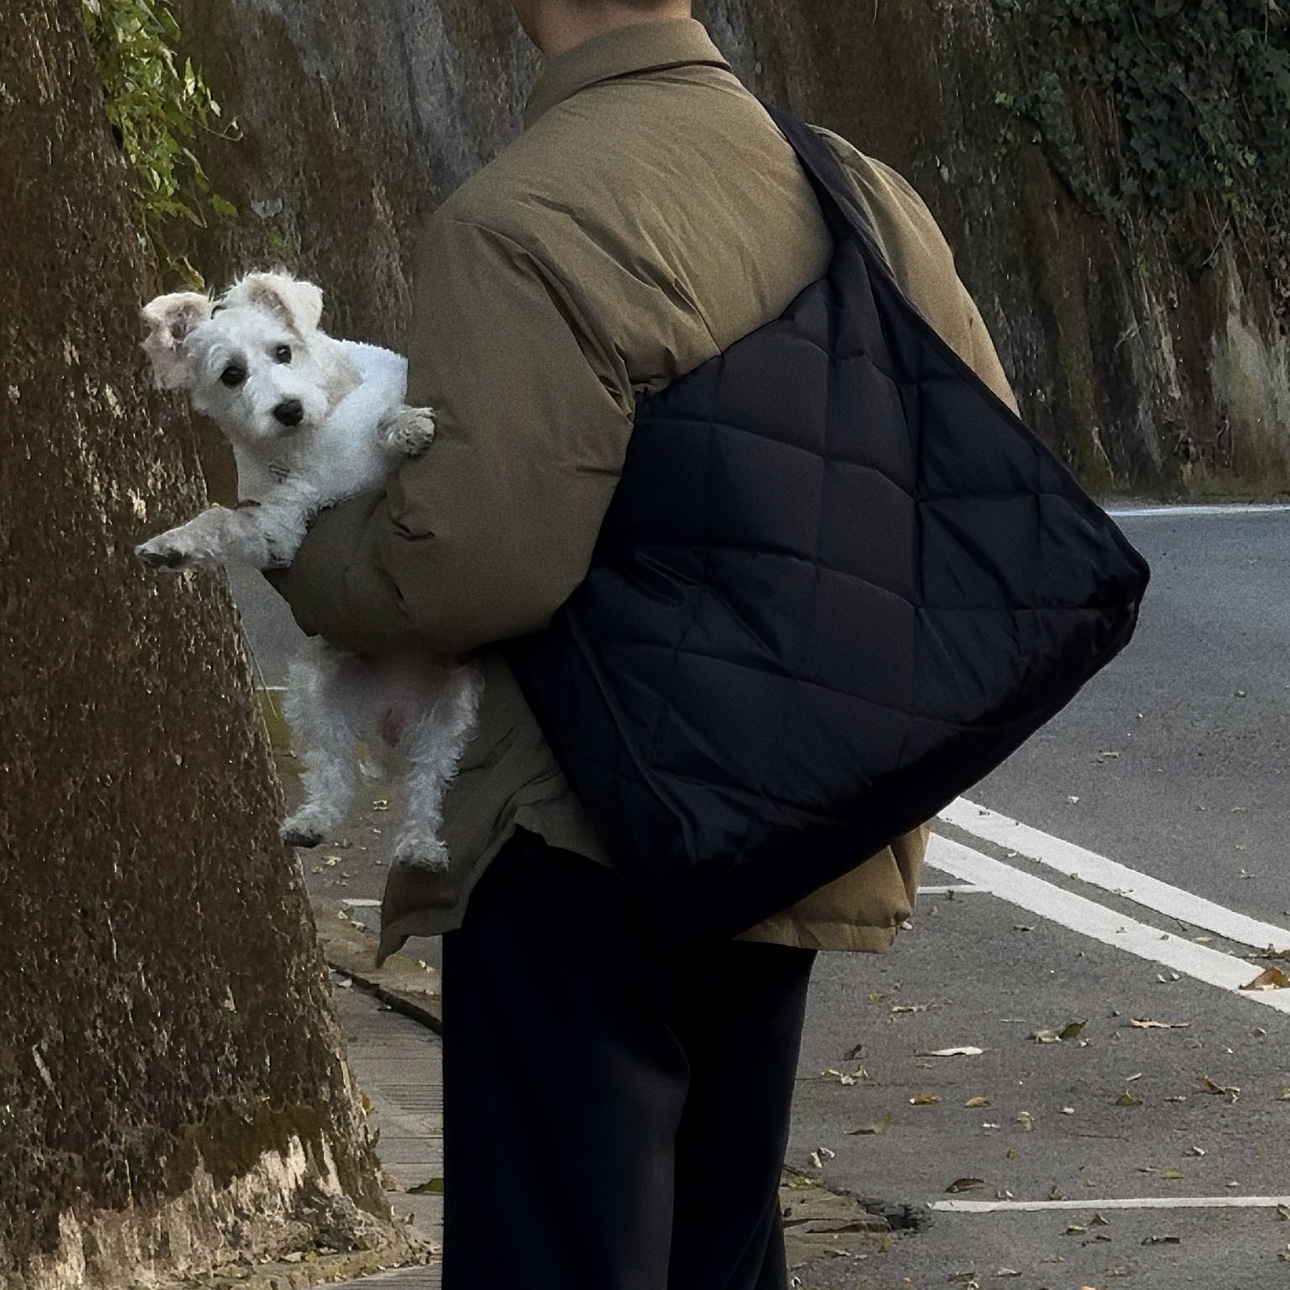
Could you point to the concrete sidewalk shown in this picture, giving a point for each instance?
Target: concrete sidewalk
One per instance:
(397, 1063)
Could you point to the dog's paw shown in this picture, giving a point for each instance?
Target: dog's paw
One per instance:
(420, 854)
(299, 835)
(409, 431)
(160, 553)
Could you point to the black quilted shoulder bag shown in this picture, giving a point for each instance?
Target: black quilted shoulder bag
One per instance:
(838, 583)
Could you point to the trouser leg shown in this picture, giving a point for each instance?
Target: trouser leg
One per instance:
(596, 1085)
(741, 1027)
(563, 1085)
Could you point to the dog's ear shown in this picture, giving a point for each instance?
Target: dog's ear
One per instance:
(298, 303)
(171, 320)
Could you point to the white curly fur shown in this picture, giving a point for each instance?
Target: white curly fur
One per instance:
(313, 420)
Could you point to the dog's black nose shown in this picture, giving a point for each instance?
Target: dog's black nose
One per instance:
(289, 413)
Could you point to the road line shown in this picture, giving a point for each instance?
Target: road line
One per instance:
(1098, 871)
(1143, 1202)
(1177, 512)
(1100, 923)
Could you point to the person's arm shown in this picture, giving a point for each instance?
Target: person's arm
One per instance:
(486, 535)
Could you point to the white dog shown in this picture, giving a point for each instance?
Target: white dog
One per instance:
(313, 420)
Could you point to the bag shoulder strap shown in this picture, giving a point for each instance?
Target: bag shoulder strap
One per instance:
(842, 208)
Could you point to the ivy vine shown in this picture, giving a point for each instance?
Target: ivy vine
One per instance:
(156, 107)
(1175, 109)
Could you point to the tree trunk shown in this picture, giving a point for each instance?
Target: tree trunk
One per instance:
(173, 1087)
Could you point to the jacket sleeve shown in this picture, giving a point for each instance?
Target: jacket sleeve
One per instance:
(484, 536)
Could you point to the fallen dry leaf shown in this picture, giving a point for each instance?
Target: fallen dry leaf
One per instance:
(1071, 1030)
(1272, 978)
(847, 1079)
(1127, 1099)
(906, 1009)
(966, 1051)
(1207, 1085)
(978, 1103)
(965, 1184)
(1162, 1240)
(881, 1125)
(1145, 1023)
(925, 1099)
(1026, 1120)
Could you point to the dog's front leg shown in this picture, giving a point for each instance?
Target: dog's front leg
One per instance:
(202, 541)
(263, 536)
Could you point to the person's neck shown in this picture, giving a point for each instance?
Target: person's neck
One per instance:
(565, 27)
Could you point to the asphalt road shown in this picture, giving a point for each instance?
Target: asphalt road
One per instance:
(1173, 763)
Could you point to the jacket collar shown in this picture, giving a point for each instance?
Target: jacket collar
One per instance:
(626, 51)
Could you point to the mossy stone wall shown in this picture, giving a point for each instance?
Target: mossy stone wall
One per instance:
(1146, 373)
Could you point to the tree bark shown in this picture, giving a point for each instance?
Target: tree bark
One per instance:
(173, 1087)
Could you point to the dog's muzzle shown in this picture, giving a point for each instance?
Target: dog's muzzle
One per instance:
(289, 413)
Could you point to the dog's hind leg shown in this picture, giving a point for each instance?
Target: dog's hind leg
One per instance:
(324, 738)
(434, 752)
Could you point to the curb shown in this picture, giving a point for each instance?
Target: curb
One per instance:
(350, 949)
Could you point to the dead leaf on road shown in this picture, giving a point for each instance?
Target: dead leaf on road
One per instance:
(1271, 979)
(1127, 1099)
(955, 1052)
(1071, 1030)
(1207, 1085)
(978, 1103)
(925, 1099)
(847, 1080)
(1162, 1240)
(1145, 1023)
(965, 1184)
(880, 1125)
(906, 1009)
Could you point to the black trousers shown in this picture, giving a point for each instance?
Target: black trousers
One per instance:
(616, 1114)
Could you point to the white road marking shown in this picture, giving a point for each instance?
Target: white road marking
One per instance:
(1143, 1202)
(1101, 924)
(1177, 512)
(1098, 871)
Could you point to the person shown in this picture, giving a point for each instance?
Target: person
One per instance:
(616, 1110)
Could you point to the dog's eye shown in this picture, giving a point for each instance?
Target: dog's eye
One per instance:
(282, 354)
(232, 376)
